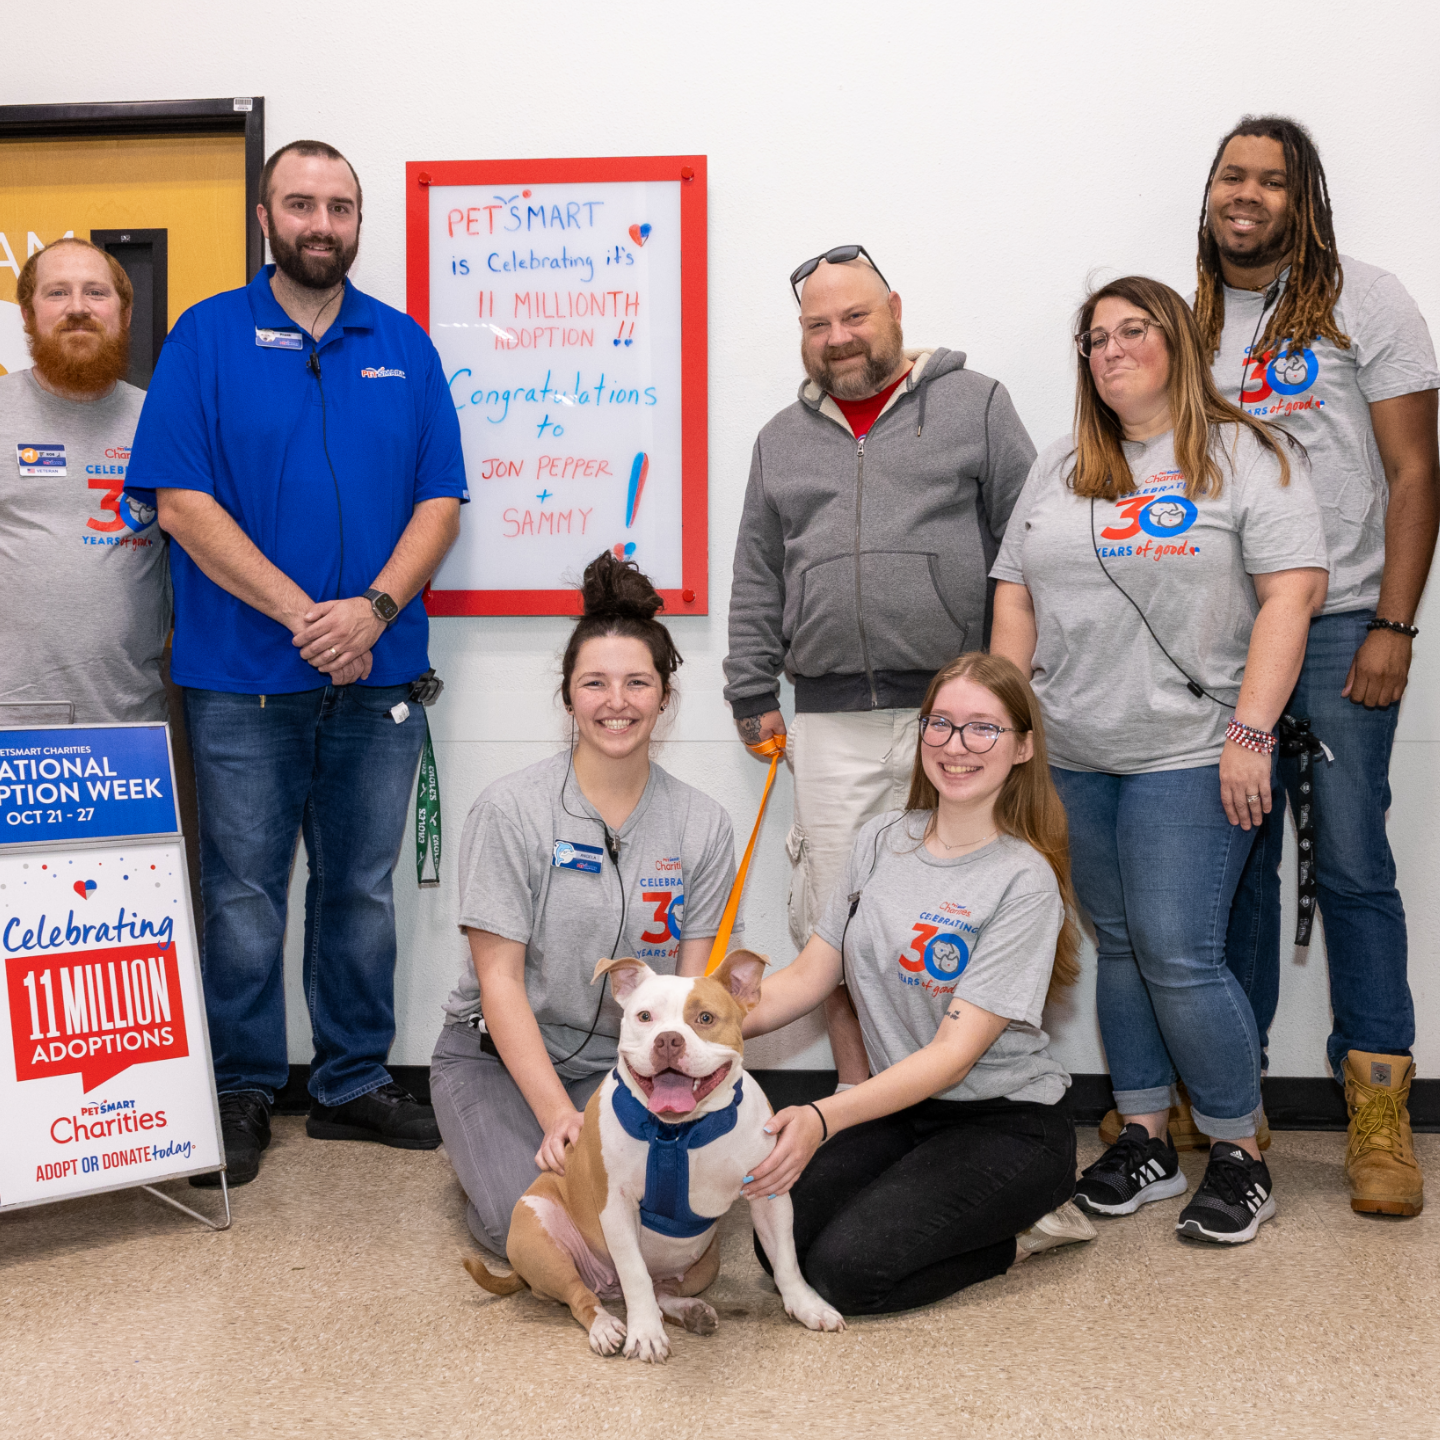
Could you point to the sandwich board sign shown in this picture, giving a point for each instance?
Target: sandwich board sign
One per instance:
(106, 1080)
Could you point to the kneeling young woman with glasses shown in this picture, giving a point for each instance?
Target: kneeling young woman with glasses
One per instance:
(1156, 581)
(950, 926)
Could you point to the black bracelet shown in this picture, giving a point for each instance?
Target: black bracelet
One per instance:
(823, 1126)
(1400, 629)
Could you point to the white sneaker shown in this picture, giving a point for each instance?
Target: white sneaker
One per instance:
(1066, 1226)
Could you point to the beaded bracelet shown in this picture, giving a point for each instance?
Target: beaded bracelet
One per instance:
(1398, 626)
(1262, 742)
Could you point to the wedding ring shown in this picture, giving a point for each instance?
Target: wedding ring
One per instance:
(1252, 797)
(334, 654)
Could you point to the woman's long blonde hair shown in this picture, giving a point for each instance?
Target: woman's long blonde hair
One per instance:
(1028, 805)
(1197, 407)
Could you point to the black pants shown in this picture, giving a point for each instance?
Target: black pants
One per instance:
(908, 1209)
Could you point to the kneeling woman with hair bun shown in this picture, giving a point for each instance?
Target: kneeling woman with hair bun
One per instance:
(951, 924)
(593, 852)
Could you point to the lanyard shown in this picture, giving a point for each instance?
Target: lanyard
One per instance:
(427, 816)
(774, 748)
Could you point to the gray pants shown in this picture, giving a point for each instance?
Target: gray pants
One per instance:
(489, 1131)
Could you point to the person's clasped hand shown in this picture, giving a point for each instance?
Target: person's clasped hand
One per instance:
(336, 636)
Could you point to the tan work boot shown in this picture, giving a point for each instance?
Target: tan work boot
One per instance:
(1380, 1159)
(1183, 1132)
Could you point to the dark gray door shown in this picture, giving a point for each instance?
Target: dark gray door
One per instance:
(143, 255)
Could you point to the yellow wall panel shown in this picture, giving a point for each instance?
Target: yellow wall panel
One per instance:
(192, 186)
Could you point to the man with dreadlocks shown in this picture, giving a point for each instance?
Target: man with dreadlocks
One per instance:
(1335, 351)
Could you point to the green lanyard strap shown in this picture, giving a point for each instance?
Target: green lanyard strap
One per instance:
(427, 817)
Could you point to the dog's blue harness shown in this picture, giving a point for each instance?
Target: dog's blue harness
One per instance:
(666, 1204)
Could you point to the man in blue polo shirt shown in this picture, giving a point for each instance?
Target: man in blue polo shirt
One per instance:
(300, 445)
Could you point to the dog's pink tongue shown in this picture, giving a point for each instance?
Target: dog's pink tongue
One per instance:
(673, 1092)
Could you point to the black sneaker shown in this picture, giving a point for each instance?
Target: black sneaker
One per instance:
(1233, 1200)
(245, 1130)
(389, 1115)
(1134, 1171)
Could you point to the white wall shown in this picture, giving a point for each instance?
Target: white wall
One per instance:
(992, 157)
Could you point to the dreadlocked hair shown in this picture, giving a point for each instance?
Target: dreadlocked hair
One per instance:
(1202, 418)
(1307, 306)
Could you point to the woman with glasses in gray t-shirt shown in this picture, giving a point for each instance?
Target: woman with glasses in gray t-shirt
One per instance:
(950, 926)
(1156, 581)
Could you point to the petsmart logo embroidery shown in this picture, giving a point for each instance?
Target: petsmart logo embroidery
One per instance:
(94, 1012)
(1161, 512)
(373, 372)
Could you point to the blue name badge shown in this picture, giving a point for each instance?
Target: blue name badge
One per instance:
(569, 855)
(41, 460)
(279, 339)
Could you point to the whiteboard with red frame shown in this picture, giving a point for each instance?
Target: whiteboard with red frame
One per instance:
(567, 300)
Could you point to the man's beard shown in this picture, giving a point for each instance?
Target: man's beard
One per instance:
(1276, 248)
(881, 361)
(314, 272)
(91, 371)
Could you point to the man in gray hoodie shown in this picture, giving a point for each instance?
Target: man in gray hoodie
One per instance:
(875, 506)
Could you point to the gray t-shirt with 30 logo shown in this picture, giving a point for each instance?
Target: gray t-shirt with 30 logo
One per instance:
(1322, 396)
(535, 867)
(84, 572)
(1110, 698)
(981, 927)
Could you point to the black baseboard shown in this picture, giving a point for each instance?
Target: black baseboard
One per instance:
(1291, 1102)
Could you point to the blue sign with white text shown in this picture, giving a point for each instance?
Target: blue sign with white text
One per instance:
(68, 782)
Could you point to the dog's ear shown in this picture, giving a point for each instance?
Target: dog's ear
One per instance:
(739, 973)
(625, 974)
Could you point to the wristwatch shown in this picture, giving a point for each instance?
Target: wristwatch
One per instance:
(384, 607)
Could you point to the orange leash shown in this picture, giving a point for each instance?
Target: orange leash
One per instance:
(774, 748)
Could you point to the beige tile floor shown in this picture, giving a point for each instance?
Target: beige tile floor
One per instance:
(336, 1307)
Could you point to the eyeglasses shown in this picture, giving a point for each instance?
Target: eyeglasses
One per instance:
(977, 736)
(840, 255)
(1127, 335)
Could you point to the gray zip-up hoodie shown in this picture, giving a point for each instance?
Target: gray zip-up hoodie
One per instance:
(861, 565)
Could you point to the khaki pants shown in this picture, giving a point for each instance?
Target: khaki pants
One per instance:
(849, 766)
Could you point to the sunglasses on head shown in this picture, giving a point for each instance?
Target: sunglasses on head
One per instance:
(840, 255)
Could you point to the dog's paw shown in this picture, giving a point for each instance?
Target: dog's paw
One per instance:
(812, 1312)
(646, 1340)
(607, 1333)
(695, 1315)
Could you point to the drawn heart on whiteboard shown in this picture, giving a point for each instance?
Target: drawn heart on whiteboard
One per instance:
(639, 233)
(83, 888)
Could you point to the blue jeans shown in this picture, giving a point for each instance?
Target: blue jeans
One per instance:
(1156, 863)
(1364, 920)
(334, 765)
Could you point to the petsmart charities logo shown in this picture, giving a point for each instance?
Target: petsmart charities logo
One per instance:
(373, 372)
(93, 1013)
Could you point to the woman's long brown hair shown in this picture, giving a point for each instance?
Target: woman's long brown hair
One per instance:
(1197, 408)
(1028, 805)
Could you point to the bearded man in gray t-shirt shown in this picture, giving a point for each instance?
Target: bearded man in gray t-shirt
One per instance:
(1337, 353)
(83, 569)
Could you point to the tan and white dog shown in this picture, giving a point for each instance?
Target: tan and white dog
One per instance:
(669, 1138)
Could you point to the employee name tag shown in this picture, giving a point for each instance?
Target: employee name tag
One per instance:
(41, 460)
(567, 855)
(279, 339)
